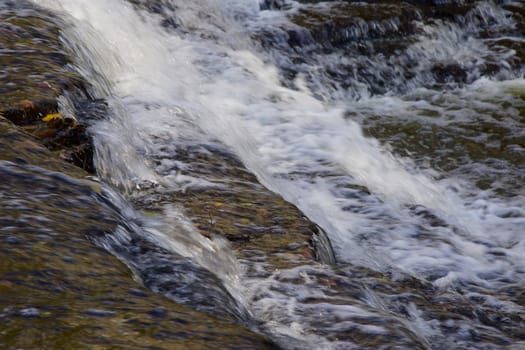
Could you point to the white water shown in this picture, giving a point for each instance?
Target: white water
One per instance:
(209, 83)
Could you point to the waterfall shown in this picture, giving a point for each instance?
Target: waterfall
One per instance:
(303, 121)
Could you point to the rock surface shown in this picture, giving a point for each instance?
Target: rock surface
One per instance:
(58, 290)
(35, 72)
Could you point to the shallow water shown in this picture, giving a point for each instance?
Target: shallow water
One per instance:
(397, 128)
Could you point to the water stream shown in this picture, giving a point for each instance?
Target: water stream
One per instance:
(397, 128)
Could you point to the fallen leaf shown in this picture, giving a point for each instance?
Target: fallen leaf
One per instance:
(26, 104)
(6, 284)
(52, 116)
(45, 133)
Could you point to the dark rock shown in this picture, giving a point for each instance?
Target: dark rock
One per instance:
(158, 313)
(12, 240)
(17, 146)
(272, 4)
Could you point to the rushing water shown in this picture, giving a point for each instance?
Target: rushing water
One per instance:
(398, 128)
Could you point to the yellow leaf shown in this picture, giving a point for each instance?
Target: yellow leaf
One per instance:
(52, 116)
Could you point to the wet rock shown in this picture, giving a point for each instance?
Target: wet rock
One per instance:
(346, 23)
(449, 73)
(89, 297)
(272, 4)
(178, 278)
(33, 61)
(36, 71)
(372, 48)
(158, 313)
(12, 240)
(235, 206)
(19, 147)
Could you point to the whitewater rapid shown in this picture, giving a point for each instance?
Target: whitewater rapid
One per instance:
(207, 82)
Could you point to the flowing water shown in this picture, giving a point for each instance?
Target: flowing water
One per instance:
(398, 128)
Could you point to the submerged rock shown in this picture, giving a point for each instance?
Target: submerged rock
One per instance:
(380, 47)
(234, 205)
